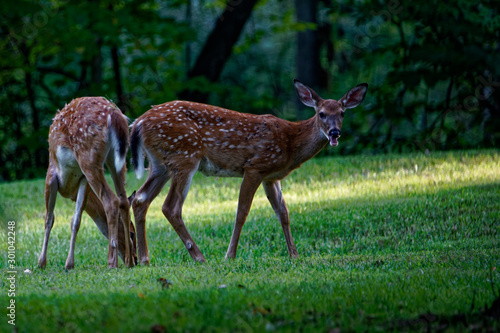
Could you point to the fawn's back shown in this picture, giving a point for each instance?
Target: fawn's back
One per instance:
(224, 142)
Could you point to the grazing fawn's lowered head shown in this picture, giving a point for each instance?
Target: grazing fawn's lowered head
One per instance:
(329, 112)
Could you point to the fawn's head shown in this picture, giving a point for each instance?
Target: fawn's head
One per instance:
(329, 112)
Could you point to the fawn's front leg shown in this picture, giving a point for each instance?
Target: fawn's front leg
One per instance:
(248, 188)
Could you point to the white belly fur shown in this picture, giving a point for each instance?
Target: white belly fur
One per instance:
(69, 172)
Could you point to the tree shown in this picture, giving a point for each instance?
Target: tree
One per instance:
(218, 46)
(309, 45)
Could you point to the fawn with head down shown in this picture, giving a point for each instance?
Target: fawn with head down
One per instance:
(182, 137)
(85, 135)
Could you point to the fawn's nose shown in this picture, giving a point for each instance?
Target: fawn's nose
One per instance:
(334, 133)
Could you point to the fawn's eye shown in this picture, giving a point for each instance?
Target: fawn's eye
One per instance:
(322, 115)
(342, 114)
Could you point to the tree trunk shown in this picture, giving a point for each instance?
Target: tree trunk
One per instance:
(37, 154)
(96, 64)
(309, 68)
(122, 101)
(219, 44)
(187, 47)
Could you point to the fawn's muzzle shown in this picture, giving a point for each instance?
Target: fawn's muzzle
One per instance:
(333, 135)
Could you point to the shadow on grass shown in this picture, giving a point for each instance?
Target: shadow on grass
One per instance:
(487, 320)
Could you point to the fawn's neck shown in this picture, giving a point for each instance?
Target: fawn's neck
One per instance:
(307, 142)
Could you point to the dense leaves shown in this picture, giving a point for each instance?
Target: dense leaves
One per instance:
(436, 85)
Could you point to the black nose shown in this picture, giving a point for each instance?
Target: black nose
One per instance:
(334, 133)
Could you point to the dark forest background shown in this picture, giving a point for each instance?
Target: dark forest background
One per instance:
(432, 66)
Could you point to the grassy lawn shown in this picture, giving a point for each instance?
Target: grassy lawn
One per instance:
(398, 242)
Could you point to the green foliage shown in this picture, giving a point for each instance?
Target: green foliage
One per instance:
(54, 51)
(384, 241)
(435, 82)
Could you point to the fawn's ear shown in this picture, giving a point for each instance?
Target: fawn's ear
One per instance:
(355, 96)
(306, 95)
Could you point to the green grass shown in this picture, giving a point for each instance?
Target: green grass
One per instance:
(383, 241)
